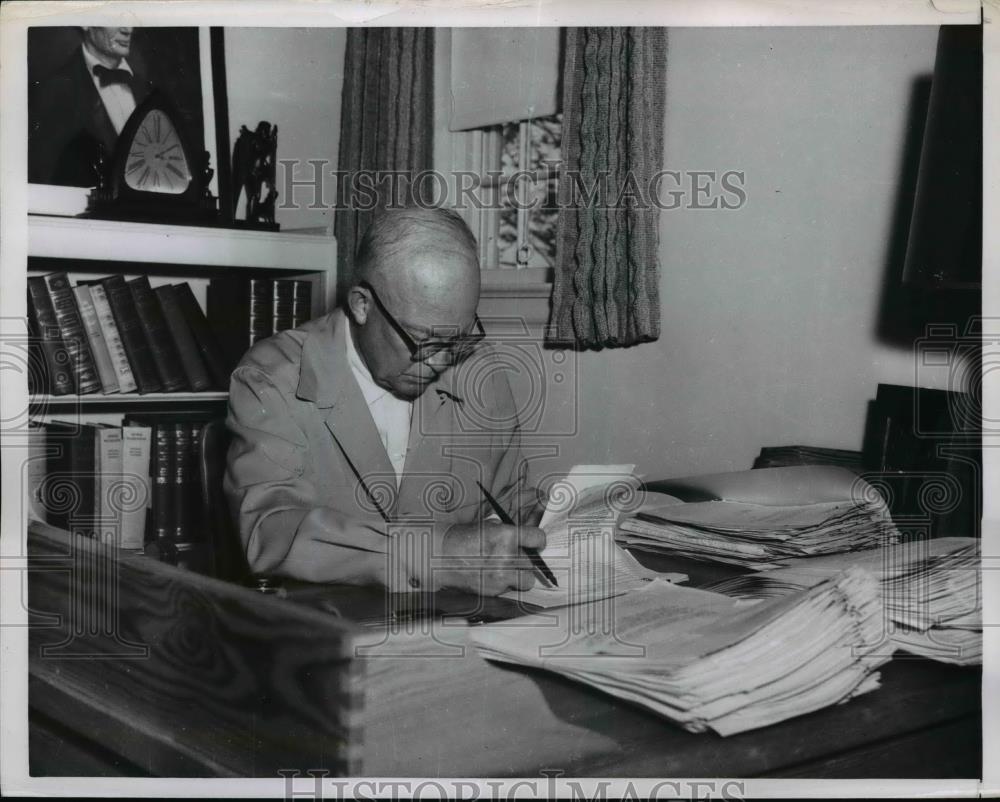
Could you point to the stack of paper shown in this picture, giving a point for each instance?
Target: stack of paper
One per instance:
(707, 661)
(758, 536)
(780, 456)
(580, 549)
(930, 591)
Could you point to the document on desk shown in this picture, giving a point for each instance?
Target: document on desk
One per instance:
(761, 524)
(930, 591)
(579, 524)
(707, 661)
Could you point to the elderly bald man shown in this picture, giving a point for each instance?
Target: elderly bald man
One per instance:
(361, 438)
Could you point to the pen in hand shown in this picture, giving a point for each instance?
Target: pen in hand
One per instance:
(533, 555)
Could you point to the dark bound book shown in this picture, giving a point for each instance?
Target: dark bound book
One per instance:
(284, 290)
(57, 491)
(301, 302)
(163, 441)
(132, 334)
(261, 309)
(241, 312)
(194, 367)
(181, 490)
(73, 333)
(70, 489)
(161, 466)
(203, 335)
(51, 358)
(162, 346)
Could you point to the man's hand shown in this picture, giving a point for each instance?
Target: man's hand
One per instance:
(487, 557)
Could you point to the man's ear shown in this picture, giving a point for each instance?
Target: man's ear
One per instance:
(358, 304)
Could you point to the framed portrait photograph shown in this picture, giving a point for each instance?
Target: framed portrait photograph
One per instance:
(84, 85)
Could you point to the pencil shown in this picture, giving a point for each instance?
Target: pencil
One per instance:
(533, 555)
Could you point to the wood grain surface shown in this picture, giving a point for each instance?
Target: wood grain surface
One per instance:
(181, 674)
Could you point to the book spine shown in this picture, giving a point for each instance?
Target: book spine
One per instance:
(109, 478)
(261, 310)
(203, 335)
(135, 474)
(301, 302)
(74, 336)
(83, 466)
(37, 370)
(35, 470)
(194, 368)
(98, 346)
(112, 339)
(68, 490)
(196, 512)
(283, 295)
(59, 374)
(58, 493)
(181, 482)
(161, 466)
(133, 335)
(165, 357)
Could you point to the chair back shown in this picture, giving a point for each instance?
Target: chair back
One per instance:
(227, 556)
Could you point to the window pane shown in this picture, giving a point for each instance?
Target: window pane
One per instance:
(545, 136)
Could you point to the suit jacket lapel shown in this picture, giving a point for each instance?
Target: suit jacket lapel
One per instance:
(327, 378)
(432, 427)
(96, 122)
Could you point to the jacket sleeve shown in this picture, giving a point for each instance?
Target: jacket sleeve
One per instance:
(285, 527)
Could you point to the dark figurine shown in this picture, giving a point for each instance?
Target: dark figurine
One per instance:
(254, 157)
(266, 208)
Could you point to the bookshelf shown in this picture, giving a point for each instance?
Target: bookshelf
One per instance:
(99, 400)
(87, 250)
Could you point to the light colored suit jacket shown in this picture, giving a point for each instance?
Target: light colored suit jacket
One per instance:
(310, 483)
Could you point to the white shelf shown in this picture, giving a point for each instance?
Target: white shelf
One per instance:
(83, 238)
(100, 399)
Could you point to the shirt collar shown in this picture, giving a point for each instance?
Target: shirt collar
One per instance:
(91, 61)
(371, 391)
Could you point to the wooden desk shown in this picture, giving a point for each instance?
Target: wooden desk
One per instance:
(236, 683)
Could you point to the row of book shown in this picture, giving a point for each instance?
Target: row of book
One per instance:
(245, 310)
(130, 485)
(112, 335)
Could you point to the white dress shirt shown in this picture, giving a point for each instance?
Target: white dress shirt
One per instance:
(392, 415)
(117, 98)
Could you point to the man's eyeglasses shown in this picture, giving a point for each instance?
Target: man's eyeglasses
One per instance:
(451, 349)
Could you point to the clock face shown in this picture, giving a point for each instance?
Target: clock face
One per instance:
(156, 160)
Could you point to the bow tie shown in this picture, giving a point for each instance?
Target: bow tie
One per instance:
(107, 75)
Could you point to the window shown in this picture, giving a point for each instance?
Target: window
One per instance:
(517, 168)
(529, 156)
(497, 143)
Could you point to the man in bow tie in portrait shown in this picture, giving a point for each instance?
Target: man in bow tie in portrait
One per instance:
(83, 107)
(388, 413)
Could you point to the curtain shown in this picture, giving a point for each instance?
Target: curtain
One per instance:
(606, 290)
(386, 127)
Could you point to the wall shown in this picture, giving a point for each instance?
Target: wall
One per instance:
(769, 313)
(291, 77)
